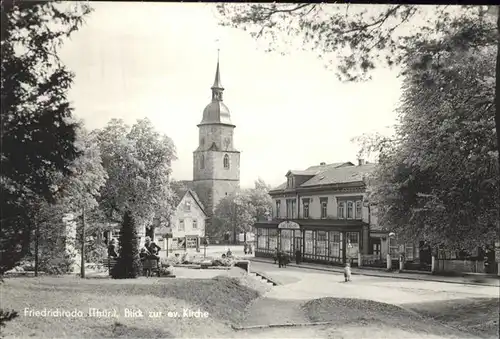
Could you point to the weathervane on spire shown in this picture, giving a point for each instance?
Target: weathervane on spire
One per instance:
(217, 95)
(217, 42)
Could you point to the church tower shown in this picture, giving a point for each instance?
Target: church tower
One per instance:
(216, 163)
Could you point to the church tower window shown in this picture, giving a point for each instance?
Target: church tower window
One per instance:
(226, 161)
(202, 161)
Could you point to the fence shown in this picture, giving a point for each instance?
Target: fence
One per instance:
(461, 266)
(372, 260)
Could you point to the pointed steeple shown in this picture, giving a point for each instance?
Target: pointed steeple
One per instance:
(217, 86)
(216, 112)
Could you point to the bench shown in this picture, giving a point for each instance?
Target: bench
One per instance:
(150, 266)
(110, 263)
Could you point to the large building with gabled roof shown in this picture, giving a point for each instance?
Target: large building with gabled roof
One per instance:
(323, 212)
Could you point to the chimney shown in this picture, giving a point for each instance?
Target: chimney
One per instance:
(361, 162)
(322, 163)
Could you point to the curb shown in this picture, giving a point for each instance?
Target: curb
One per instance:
(255, 327)
(393, 276)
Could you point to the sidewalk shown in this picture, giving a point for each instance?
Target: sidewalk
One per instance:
(373, 272)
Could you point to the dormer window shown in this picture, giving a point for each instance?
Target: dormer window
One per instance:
(289, 182)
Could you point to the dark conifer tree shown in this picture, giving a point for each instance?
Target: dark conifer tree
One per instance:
(129, 263)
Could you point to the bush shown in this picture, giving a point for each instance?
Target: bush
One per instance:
(128, 264)
(56, 264)
(226, 262)
(96, 252)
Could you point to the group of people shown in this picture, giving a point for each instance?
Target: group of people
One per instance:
(281, 257)
(148, 253)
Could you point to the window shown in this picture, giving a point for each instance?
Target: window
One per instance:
(324, 205)
(341, 210)
(335, 245)
(202, 142)
(272, 239)
(359, 210)
(352, 245)
(409, 252)
(181, 225)
(202, 161)
(188, 206)
(226, 161)
(262, 238)
(286, 238)
(278, 206)
(195, 224)
(290, 208)
(321, 243)
(289, 182)
(350, 210)
(309, 241)
(305, 208)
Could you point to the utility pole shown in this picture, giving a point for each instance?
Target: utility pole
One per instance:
(37, 236)
(234, 224)
(82, 262)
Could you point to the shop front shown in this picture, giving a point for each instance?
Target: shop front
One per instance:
(324, 241)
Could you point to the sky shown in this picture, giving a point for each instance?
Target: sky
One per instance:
(157, 60)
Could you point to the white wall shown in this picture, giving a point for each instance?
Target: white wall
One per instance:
(188, 215)
(315, 206)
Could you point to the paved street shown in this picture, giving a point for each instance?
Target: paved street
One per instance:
(301, 283)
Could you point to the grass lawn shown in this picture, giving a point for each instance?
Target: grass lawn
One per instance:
(478, 316)
(365, 318)
(224, 298)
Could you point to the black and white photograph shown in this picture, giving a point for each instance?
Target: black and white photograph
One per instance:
(249, 170)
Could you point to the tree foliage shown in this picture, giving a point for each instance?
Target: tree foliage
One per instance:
(358, 38)
(37, 130)
(240, 210)
(439, 179)
(436, 177)
(138, 163)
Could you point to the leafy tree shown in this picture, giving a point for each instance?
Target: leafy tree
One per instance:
(261, 200)
(358, 39)
(234, 213)
(128, 264)
(37, 132)
(438, 179)
(238, 212)
(75, 191)
(138, 163)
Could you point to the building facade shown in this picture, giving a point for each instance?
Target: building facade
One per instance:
(187, 224)
(323, 212)
(216, 161)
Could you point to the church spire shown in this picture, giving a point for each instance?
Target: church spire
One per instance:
(217, 86)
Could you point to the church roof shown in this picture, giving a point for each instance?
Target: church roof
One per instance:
(216, 112)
